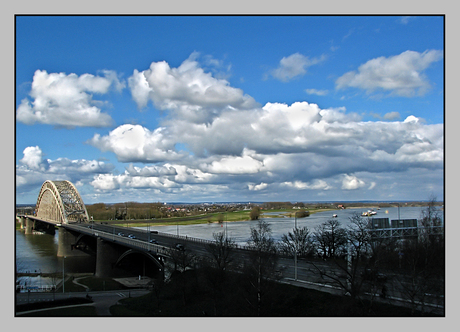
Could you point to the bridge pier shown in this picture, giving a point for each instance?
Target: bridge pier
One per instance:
(65, 242)
(28, 225)
(106, 257)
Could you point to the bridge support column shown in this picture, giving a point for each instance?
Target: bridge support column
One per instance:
(106, 257)
(65, 242)
(29, 225)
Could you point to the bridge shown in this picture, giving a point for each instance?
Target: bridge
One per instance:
(59, 205)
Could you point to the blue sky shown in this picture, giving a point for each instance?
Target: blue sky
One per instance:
(231, 108)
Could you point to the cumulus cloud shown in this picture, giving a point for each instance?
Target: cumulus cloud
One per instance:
(33, 158)
(67, 100)
(351, 182)
(132, 143)
(315, 185)
(257, 187)
(294, 65)
(187, 91)
(246, 164)
(34, 169)
(401, 75)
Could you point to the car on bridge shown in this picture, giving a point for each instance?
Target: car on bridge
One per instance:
(180, 247)
(153, 241)
(131, 236)
(121, 234)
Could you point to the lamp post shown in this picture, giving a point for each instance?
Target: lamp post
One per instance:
(148, 230)
(63, 275)
(295, 247)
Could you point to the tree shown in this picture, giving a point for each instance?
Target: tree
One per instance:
(422, 269)
(299, 241)
(330, 239)
(263, 261)
(350, 250)
(221, 250)
(182, 259)
(255, 213)
(220, 218)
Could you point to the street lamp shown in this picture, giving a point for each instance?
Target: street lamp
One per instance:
(295, 247)
(63, 274)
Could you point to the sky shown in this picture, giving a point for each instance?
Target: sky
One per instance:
(230, 108)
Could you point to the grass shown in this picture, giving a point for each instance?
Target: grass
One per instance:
(100, 284)
(208, 218)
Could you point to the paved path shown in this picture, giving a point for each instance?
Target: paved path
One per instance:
(102, 301)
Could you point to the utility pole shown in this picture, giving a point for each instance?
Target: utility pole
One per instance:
(295, 247)
(63, 275)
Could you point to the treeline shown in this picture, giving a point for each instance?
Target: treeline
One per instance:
(281, 205)
(127, 211)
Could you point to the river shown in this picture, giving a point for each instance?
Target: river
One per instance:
(37, 253)
(240, 230)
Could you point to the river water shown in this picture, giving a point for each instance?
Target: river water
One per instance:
(37, 252)
(239, 231)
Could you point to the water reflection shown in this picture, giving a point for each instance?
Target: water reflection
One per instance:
(37, 253)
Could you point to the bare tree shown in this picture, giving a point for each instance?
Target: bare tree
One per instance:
(330, 239)
(349, 251)
(299, 240)
(422, 269)
(221, 250)
(263, 260)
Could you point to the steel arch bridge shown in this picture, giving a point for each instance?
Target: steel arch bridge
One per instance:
(59, 202)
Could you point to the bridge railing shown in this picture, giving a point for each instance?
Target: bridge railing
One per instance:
(133, 243)
(198, 240)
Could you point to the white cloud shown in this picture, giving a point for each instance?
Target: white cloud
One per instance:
(317, 92)
(246, 164)
(35, 169)
(401, 75)
(188, 91)
(107, 181)
(133, 143)
(149, 171)
(257, 187)
(67, 100)
(294, 65)
(314, 185)
(33, 159)
(391, 116)
(351, 182)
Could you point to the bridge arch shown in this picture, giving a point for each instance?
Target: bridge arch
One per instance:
(60, 202)
(146, 254)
